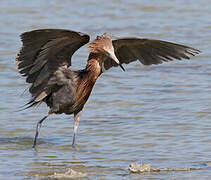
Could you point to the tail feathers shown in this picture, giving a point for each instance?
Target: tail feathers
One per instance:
(31, 103)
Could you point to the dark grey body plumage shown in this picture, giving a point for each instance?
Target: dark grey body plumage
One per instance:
(64, 83)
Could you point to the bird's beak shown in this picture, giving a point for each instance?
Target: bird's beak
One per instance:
(113, 56)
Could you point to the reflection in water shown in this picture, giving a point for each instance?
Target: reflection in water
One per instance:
(158, 115)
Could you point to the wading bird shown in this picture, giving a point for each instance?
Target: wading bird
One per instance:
(45, 60)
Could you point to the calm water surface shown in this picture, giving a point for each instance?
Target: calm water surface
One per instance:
(159, 115)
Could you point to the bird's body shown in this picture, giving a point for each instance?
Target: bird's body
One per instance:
(45, 60)
(77, 89)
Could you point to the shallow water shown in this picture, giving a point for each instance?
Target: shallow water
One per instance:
(157, 114)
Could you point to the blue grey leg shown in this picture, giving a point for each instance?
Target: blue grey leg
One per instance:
(39, 124)
(76, 123)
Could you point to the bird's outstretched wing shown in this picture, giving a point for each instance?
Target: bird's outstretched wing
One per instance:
(46, 53)
(147, 51)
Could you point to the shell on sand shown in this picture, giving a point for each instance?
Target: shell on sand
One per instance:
(141, 168)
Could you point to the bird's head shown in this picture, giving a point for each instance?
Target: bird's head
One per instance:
(103, 45)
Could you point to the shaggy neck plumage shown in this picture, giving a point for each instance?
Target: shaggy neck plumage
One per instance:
(94, 63)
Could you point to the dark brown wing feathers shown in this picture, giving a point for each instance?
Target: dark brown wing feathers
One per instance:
(46, 56)
(148, 51)
(44, 52)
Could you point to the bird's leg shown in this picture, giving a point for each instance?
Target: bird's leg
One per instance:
(77, 116)
(37, 130)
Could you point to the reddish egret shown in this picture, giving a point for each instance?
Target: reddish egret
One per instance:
(45, 60)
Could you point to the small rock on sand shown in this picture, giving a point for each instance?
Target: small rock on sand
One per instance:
(141, 168)
(70, 173)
